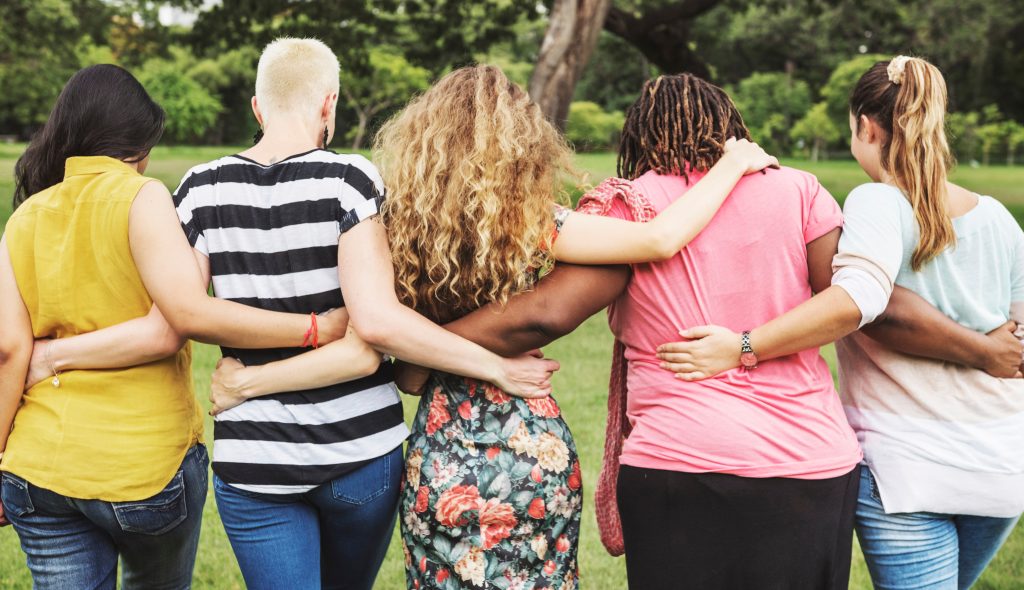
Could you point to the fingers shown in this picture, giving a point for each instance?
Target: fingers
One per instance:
(697, 333)
(680, 367)
(691, 376)
(220, 362)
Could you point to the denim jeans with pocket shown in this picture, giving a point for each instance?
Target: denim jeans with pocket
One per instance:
(333, 536)
(74, 543)
(922, 550)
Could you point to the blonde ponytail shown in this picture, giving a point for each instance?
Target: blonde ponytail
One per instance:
(907, 98)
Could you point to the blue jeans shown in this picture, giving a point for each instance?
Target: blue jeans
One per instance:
(924, 550)
(73, 543)
(333, 536)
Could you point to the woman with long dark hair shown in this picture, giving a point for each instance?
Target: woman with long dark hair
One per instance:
(108, 463)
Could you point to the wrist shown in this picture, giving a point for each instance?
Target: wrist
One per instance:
(57, 361)
(250, 383)
(731, 165)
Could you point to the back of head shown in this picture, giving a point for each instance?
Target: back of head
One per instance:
(679, 122)
(472, 167)
(294, 76)
(906, 98)
(102, 111)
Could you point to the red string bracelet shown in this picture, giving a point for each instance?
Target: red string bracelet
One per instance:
(312, 337)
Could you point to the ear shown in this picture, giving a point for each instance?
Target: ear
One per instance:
(330, 102)
(256, 111)
(868, 129)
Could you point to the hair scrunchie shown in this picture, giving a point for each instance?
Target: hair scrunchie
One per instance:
(896, 68)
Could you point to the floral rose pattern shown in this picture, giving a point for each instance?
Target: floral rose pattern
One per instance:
(492, 494)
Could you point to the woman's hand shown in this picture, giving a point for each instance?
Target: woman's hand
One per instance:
(748, 155)
(526, 376)
(228, 385)
(1005, 356)
(39, 367)
(332, 325)
(710, 350)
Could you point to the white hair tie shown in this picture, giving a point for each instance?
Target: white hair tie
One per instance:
(896, 67)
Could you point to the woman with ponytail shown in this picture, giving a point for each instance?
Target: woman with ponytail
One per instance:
(942, 484)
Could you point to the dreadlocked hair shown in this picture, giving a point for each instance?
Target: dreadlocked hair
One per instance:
(678, 124)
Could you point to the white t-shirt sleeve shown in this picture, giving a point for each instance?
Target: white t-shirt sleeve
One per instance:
(870, 249)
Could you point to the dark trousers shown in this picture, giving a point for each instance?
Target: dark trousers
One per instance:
(714, 531)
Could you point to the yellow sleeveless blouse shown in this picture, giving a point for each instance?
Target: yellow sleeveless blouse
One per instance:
(115, 435)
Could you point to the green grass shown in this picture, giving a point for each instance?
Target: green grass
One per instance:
(581, 388)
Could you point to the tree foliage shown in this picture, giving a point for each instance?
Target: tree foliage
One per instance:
(770, 103)
(392, 80)
(590, 128)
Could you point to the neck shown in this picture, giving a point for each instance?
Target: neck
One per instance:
(286, 136)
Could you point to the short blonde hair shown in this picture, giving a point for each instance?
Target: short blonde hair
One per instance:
(294, 76)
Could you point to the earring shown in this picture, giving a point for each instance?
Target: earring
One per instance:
(325, 137)
(256, 137)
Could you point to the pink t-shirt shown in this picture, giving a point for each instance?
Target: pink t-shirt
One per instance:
(783, 419)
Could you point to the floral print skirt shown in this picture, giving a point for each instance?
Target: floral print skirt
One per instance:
(492, 491)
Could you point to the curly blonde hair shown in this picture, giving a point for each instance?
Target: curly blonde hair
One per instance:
(473, 169)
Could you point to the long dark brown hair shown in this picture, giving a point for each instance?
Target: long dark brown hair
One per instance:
(679, 123)
(909, 104)
(102, 111)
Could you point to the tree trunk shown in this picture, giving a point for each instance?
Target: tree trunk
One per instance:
(568, 44)
(815, 148)
(360, 130)
(663, 34)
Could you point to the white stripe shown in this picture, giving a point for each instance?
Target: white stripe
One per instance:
(261, 452)
(264, 197)
(295, 284)
(268, 241)
(336, 410)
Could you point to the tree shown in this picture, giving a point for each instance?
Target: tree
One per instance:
(992, 134)
(817, 129)
(616, 72)
(391, 82)
(591, 128)
(662, 31)
(836, 92)
(1014, 140)
(770, 102)
(191, 110)
(962, 130)
(571, 37)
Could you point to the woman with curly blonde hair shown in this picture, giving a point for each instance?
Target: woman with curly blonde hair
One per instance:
(493, 486)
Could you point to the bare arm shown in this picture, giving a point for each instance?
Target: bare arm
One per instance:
(367, 284)
(15, 344)
(913, 326)
(910, 325)
(561, 301)
(593, 239)
(135, 342)
(342, 360)
(174, 281)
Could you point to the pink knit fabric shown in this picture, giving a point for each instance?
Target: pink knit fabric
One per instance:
(598, 202)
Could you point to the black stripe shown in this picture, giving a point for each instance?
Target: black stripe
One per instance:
(283, 475)
(315, 302)
(274, 263)
(385, 374)
(247, 173)
(247, 217)
(321, 434)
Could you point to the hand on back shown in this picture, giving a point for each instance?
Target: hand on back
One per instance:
(748, 155)
(1007, 352)
(527, 376)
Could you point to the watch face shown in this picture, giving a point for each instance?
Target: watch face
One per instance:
(748, 359)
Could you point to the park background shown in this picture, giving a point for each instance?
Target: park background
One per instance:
(789, 64)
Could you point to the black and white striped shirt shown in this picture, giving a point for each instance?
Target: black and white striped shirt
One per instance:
(271, 234)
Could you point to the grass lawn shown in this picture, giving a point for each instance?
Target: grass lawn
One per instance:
(580, 388)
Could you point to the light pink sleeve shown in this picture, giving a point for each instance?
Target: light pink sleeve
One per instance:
(822, 213)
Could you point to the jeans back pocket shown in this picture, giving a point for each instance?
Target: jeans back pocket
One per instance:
(365, 483)
(155, 515)
(15, 496)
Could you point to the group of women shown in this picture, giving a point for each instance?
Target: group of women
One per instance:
(730, 462)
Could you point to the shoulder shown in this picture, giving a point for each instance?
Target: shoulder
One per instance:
(876, 196)
(355, 169)
(205, 173)
(1002, 216)
(617, 197)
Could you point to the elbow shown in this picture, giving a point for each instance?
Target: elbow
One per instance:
(555, 325)
(367, 363)
(664, 245)
(169, 343)
(379, 333)
(15, 350)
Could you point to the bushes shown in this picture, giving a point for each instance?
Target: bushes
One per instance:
(592, 129)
